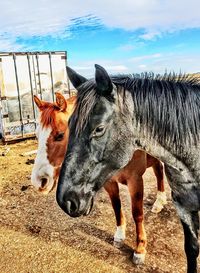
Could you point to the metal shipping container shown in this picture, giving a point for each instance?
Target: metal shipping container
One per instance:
(22, 75)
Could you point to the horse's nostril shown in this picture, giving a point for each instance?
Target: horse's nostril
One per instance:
(68, 205)
(71, 206)
(43, 182)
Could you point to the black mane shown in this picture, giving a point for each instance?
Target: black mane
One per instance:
(166, 106)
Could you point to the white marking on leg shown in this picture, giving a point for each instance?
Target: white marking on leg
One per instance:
(42, 168)
(120, 234)
(161, 200)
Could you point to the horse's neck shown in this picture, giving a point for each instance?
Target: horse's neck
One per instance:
(156, 150)
(166, 152)
(170, 157)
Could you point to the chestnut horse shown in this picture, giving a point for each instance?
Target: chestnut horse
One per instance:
(52, 134)
(52, 141)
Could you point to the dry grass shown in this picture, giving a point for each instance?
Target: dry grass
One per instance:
(37, 237)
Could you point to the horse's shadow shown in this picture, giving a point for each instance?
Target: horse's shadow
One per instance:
(102, 235)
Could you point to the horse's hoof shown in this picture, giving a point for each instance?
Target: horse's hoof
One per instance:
(138, 258)
(118, 244)
(156, 208)
(118, 241)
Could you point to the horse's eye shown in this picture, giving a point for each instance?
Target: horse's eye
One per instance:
(59, 136)
(99, 131)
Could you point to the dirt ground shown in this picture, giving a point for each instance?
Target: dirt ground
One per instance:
(36, 236)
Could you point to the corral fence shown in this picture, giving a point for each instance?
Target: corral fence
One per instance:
(22, 75)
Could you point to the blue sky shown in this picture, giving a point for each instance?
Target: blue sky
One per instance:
(124, 37)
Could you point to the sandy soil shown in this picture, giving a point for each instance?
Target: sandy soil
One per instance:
(36, 236)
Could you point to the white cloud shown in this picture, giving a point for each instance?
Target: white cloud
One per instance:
(145, 57)
(150, 35)
(116, 68)
(126, 47)
(86, 68)
(170, 62)
(10, 44)
(50, 17)
(185, 63)
(24, 18)
(157, 63)
(142, 66)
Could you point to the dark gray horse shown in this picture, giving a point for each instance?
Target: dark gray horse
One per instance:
(115, 116)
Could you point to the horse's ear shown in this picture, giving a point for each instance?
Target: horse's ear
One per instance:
(103, 81)
(75, 78)
(61, 101)
(40, 104)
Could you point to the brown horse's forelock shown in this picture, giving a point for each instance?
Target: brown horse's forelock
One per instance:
(47, 117)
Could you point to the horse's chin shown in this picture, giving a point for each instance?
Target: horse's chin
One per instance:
(89, 207)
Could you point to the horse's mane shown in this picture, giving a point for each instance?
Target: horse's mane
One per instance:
(166, 106)
(85, 102)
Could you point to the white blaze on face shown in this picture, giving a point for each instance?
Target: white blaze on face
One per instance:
(42, 169)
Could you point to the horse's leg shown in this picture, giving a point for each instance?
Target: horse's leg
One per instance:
(186, 200)
(190, 223)
(112, 189)
(135, 185)
(161, 198)
(191, 242)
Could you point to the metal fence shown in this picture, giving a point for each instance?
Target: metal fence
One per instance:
(22, 75)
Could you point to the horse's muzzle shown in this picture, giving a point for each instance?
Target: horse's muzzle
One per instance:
(74, 205)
